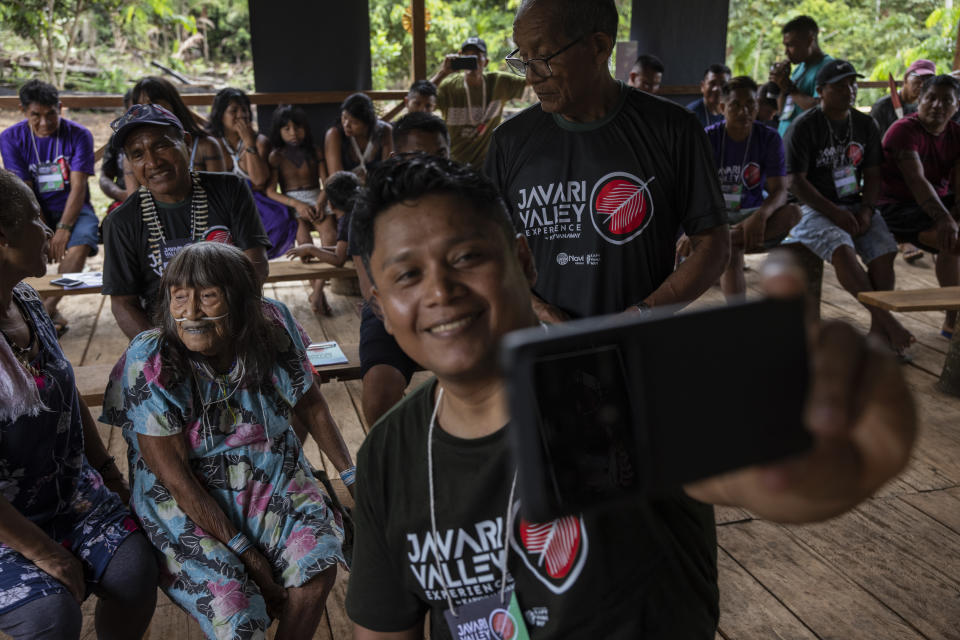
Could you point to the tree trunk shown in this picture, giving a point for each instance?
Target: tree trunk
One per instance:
(78, 8)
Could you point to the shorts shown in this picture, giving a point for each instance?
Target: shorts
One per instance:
(378, 347)
(818, 233)
(306, 196)
(906, 220)
(86, 228)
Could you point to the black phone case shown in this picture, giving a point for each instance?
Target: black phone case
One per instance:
(706, 392)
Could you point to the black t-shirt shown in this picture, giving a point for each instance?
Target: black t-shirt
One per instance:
(129, 265)
(601, 203)
(647, 570)
(817, 147)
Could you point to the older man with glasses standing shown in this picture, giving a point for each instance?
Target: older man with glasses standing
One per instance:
(600, 177)
(472, 102)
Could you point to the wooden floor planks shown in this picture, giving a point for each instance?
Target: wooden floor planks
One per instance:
(890, 569)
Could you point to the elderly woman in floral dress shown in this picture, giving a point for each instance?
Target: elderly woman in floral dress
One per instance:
(64, 531)
(219, 479)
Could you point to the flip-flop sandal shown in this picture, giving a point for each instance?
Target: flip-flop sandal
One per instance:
(913, 255)
(946, 334)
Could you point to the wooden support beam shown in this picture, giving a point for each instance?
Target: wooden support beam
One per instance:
(956, 50)
(419, 57)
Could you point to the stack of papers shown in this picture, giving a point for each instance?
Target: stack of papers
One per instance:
(87, 279)
(322, 354)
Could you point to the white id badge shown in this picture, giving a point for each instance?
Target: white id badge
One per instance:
(845, 181)
(49, 177)
(732, 196)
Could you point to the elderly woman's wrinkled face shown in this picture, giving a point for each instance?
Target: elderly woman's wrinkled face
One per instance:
(201, 317)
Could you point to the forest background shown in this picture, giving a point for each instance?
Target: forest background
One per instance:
(105, 45)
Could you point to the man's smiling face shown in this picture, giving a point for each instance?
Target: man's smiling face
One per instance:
(159, 160)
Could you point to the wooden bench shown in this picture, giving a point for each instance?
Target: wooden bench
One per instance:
(936, 299)
(92, 379)
(280, 271)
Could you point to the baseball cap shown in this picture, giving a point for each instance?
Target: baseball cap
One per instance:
(474, 41)
(836, 70)
(139, 115)
(921, 68)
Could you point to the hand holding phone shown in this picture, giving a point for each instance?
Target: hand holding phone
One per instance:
(464, 63)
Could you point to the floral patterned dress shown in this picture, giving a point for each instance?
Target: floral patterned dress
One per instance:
(244, 452)
(46, 477)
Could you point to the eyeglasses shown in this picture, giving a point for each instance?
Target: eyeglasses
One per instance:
(540, 66)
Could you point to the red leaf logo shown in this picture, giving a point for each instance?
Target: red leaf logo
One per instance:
(751, 175)
(621, 206)
(555, 542)
(502, 625)
(219, 234)
(855, 153)
(624, 205)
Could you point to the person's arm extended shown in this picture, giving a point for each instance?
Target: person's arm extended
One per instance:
(30, 541)
(97, 455)
(307, 252)
(802, 100)
(863, 421)
(809, 195)
(362, 633)
(696, 274)
(71, 211)
(312, 410)
(167, 457)
(261, 264)
(129, 315)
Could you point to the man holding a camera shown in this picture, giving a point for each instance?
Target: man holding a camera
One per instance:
(472, 102)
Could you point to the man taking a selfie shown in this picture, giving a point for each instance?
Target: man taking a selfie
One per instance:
(439, 529)
(471, 100)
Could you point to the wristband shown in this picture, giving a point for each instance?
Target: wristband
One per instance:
(239, 544)
(349, 476)
(64, 225)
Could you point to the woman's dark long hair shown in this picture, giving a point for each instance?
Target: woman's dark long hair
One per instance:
(360, 106)
(220, 103)
(215, 264)
(161, 89)
(288, 113)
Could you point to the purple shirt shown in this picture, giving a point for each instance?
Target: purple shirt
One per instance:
(749, 167)
(72, 141)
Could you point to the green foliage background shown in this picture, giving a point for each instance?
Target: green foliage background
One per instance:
(121, 37)
(877, 36)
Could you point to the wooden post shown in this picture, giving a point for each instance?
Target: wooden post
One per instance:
(418, 63)
(950, 376)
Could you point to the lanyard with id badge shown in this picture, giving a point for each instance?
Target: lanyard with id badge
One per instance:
(51, 175)
(733, 192)
(496, 617)
(845, 179)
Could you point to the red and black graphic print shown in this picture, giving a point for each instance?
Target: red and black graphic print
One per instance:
(621, 207)
(555, 552)
(854, 153)
(218, 234)
(751, 175)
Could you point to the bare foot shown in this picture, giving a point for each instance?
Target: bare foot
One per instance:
(319, 304)
(900, 339)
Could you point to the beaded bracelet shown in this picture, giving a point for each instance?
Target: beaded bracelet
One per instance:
(349, 476)
(239, 544)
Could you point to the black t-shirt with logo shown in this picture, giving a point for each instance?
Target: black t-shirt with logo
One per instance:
(601, 203)
(817, 147)
(129, 265)
(645, 570)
